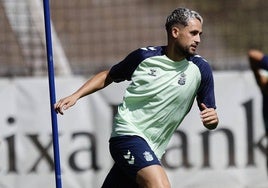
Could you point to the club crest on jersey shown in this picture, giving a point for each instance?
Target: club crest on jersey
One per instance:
(182, 79)
(148, 156)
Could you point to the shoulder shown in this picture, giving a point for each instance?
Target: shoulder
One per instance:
(198, 60)
(140, 54)
(152, 50)
(125, 68)
(149, 51)
(137, 56)
(204, 69)
(201, 63)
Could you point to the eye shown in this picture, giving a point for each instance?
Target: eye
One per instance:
(194, 33)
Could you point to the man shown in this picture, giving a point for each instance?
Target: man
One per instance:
(165, 80)
(259, 62)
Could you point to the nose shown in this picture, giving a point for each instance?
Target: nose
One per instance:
(198, 39)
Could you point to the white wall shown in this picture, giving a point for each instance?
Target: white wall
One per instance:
(231, 157)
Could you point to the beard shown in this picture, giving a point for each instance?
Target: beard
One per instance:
(185, 50)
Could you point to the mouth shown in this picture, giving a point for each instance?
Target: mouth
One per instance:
(193, 47)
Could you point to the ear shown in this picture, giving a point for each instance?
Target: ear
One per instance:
(175, 31)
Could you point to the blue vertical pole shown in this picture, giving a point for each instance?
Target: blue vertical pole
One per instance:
(52, 93)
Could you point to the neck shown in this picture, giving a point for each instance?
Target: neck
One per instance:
(174, 54)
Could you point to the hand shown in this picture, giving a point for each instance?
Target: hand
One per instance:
(64, 104)
(209, 117)
(255, 56)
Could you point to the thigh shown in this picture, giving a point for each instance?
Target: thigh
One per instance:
(152, 176)
(118, 179)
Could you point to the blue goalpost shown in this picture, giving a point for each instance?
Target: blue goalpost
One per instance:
(52, 93)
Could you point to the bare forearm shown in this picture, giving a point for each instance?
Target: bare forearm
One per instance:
(261, 80)
(257, 76)
(97, 82)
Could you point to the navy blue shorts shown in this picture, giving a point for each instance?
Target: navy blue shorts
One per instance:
(130, 154)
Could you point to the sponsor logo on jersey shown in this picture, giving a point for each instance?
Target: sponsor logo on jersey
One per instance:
(152, 72)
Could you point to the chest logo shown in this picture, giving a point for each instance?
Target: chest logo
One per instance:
(182, 79)
(152, 72)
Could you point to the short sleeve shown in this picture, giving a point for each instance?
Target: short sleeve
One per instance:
(205, 93)
(264, 62)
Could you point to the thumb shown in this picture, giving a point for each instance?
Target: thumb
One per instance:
(203, 106)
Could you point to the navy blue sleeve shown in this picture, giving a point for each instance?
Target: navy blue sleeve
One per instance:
(264, 62)
(124, 69)
(205, 93)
